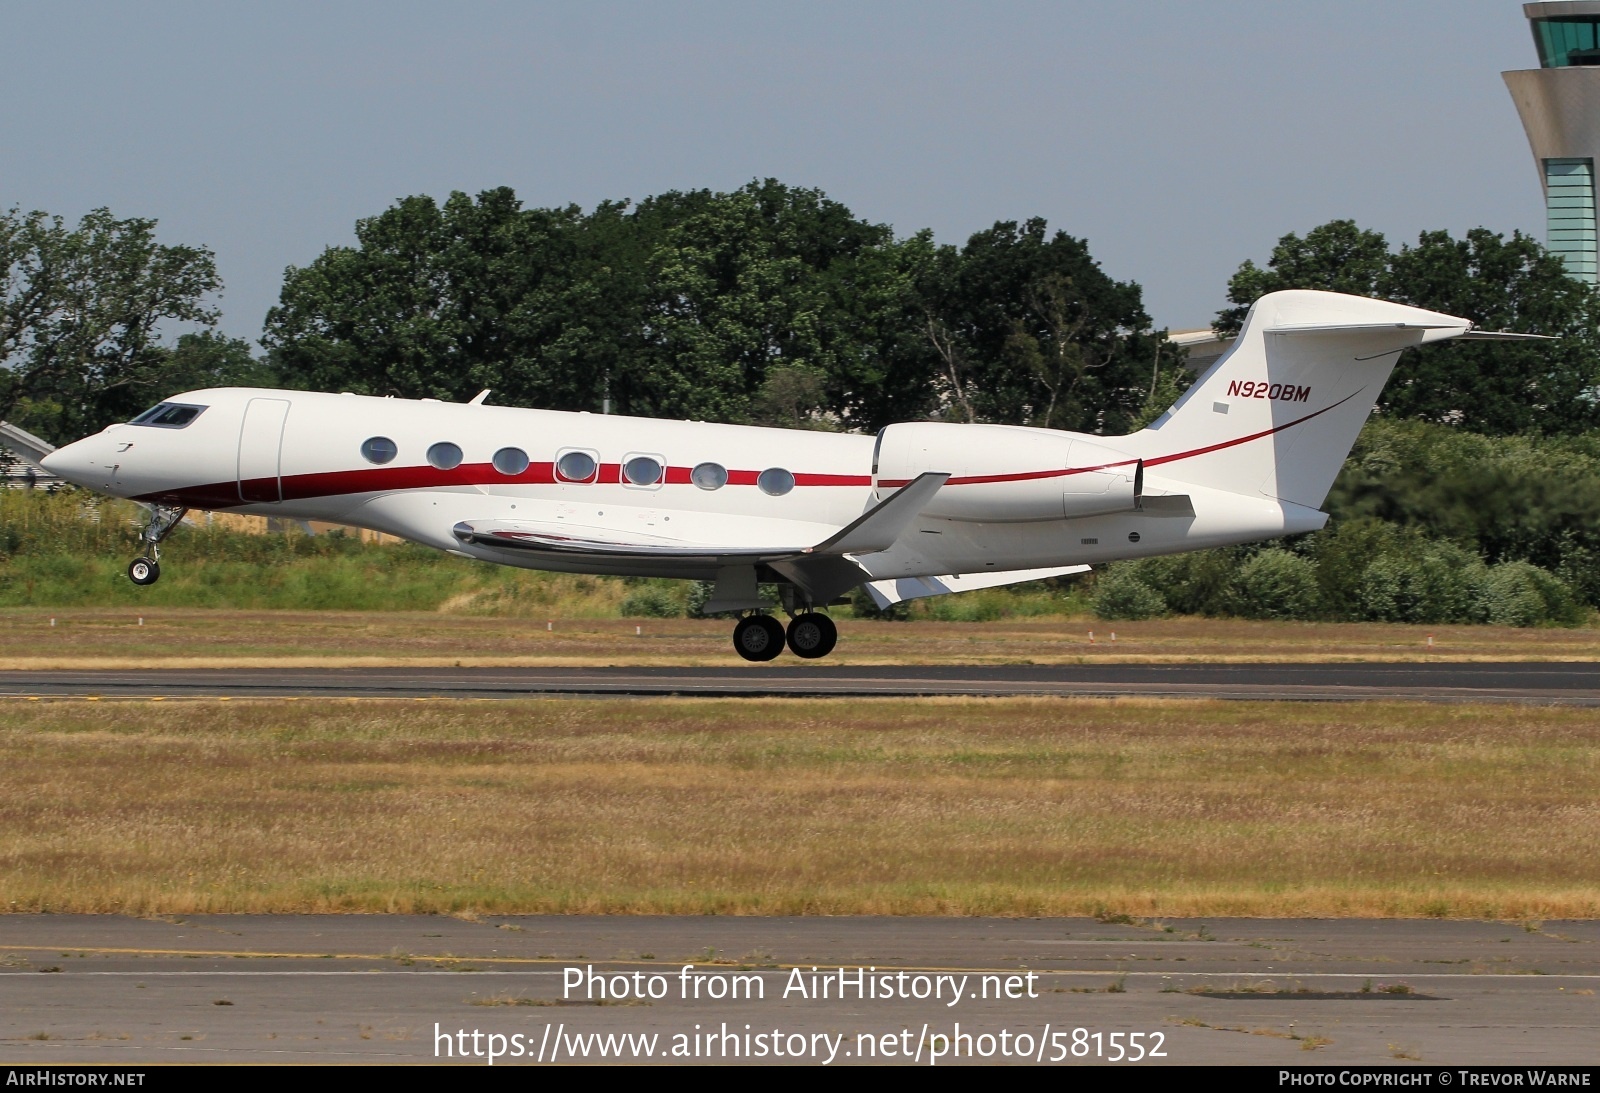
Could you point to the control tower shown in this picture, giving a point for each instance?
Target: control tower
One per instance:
(1560, 107)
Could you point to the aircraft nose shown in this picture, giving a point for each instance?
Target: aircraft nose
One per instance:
(73, 462)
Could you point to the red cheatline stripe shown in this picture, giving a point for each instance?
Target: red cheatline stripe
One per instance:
(1158, 460)
(303, 487)
(1026, 476)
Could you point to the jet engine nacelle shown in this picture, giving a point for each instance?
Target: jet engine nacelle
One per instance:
(1007, 473)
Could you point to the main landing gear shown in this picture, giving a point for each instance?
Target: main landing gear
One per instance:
(812, 635)
(163, 518)
(762, 637)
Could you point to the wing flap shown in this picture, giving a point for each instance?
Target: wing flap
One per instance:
(499, 536)
(897, 590)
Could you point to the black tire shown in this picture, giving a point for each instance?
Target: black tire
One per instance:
(758, 637)
(812, 635)
(143, 571)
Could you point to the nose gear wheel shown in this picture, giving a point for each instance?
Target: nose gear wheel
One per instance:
(163, 518)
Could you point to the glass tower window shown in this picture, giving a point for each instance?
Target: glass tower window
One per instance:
(1570, 216)
(1567, 41)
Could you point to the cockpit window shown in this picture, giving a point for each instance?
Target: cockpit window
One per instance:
(169, 415)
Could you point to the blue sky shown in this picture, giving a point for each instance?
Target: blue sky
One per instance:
(1178, 138)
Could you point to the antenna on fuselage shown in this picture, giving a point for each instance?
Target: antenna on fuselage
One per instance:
(477, 400)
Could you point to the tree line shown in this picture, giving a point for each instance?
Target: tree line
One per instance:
(770, 304)
(776, 305)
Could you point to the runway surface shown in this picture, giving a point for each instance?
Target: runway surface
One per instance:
(1575, 684)
(237, 988)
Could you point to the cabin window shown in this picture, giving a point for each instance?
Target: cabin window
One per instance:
(510, 461)
(709, 476)
(577, 467)
(641, 470)
(445, 456)
(775, 481)
(168, 415)
(379, 449)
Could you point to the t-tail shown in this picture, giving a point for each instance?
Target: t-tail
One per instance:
(1277, 414)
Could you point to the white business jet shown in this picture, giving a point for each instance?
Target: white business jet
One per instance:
(922, 509)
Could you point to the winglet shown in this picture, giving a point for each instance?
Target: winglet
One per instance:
(879, 527)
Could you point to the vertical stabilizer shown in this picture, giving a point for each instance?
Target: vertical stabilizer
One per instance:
(1277, 415)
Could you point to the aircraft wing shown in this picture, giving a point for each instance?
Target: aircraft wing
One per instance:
(823, 569)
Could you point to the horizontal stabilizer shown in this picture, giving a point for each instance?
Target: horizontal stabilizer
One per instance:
(1431, 332)
(1355, 328)
(885, 593)
(1503, 336)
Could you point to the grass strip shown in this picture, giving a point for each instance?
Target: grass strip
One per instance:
(123, 637)
(960, 807)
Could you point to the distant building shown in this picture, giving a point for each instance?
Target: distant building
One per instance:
(1560, 107)
(1204, 345)
(20, 453)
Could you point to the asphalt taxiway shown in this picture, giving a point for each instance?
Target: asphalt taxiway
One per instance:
(226, 988)
(1574, 684)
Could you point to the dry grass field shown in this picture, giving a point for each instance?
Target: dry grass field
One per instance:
(196, 637)
(1012, 807)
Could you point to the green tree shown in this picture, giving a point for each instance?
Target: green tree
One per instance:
(441, 302)
(1031, 331)
(1122, 594)
(741, 285)
(80, 316)
(1498, 389)
(720, 306)
(1336, 257)
(1276, 584)
(1519, 498)
(209, 359)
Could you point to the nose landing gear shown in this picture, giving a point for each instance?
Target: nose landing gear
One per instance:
(163, 518)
